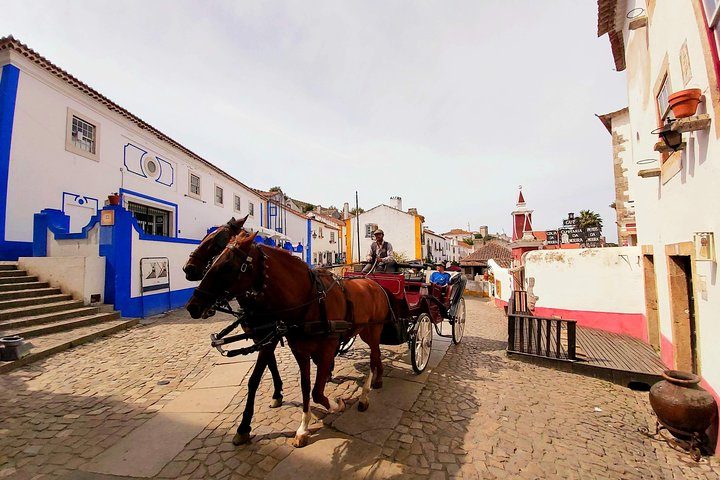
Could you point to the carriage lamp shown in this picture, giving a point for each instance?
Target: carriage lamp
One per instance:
(672, 138)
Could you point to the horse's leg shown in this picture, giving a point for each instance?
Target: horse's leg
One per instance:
(243, 432)
(371, 336)
(277, 397)
(364, 402)
(324, 361)
(302, 435)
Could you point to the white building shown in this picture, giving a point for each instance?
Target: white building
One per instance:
(437, 247)
(65, 148)
(327, 239)
(402, 229)
(666, 47)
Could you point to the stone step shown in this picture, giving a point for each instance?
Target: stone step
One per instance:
(49, 344)
(36, 292)
(40, 300)
(23, 279)
(8, 265)
(51, 317)
(62, 325)
(12, 273)
(11, 287)
(39, 309)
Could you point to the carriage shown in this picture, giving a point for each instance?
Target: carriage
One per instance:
(419, 308)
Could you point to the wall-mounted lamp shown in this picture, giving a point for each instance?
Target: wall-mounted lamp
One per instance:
(672, 138)
(704, 246)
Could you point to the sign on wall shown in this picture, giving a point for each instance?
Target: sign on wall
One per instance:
(154, 274)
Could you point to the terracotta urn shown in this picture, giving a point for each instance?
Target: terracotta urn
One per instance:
(114, 199)
(682, 405)
(685, 102)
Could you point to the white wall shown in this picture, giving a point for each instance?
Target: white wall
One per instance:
(82, 277)
(321, 242)
(399, 228)
(503, 279)
(588, 279)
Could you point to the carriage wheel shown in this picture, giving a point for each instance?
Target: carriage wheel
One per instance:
(458, 325)
(345, 347)
(421, 343)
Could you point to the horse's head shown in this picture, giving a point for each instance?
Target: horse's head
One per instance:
(210, 247)
(234, 271)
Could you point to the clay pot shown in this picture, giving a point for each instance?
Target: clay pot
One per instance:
(114, 199)
(685, 102)
(681, 404)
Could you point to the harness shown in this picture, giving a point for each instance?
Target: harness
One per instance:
(277, 329)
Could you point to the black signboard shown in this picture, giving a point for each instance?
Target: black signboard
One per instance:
(552, 237)
(591, 236)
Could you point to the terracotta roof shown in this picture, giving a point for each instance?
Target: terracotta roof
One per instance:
(540, 235)
(609, 17)
(10, 43)
(491, 250)
(503, 262)
(457, 231)
(607, 118)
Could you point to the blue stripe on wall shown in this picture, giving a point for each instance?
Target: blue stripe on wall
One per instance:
(8, 96)
(308, 251)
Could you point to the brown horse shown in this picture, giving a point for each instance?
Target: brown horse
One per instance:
(210, 247)
(312, 308)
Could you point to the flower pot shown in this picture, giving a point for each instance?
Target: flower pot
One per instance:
(114, 199)
(681, 405)
(685, 102)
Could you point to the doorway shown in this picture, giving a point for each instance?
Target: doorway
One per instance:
(651, 302)
(682, 310)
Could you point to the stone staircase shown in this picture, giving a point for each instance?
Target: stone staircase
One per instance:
(47, 318)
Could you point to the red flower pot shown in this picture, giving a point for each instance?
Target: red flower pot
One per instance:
(114, 199)
(685, 102)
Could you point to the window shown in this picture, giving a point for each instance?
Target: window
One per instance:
(332, 237)
(321, 235)
(82, 135)
(369, 229)
(153, 221)
(712, 15)
(251, 209)
(236, 203)
(218, 195)
(662, 100)
(194, 187)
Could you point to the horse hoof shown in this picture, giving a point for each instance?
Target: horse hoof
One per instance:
(241, 439)
(276, 402)
(376, 385)
(362, 406)
(301, 440)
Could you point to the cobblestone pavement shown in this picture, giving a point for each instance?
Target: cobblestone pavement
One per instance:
(476, 415)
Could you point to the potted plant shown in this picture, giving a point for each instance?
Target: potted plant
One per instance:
(685, 102)
(114, 199)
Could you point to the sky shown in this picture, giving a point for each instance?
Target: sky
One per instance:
(451, 105)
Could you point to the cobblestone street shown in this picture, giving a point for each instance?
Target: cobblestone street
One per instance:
(476, 414)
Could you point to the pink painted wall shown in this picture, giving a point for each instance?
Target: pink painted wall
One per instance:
(633, 324)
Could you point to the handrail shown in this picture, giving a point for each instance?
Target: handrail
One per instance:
(542, 336)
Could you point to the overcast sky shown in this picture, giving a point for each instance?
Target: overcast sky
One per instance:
(449, 104)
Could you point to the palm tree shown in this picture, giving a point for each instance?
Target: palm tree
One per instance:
(586, 220)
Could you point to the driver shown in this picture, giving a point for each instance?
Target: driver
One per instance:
(380, 250)
(440, 277)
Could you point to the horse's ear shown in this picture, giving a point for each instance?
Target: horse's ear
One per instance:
(241, 221)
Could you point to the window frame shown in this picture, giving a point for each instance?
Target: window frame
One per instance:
(219, 188)
(70, 145)
(190, 192)
(237, 203)
(251, 209)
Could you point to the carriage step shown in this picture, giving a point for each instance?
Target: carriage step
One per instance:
(8, 266)
(23, 279)
(60, 326)
(39, 309)
(42, 347)
(37, 292)
(39, 300)
(50, 317)
(12, 273)
(13, 287)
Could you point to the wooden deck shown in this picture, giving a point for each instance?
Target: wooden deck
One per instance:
(619, 358)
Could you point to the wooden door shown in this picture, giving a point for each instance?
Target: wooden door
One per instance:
(651, 302)
(682, 310)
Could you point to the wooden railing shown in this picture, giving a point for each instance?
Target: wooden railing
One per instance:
(541, 336)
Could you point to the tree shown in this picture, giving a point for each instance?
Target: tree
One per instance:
(468, 240)
(356, 210)
(275, 189)
(308, 208)
(586, 220)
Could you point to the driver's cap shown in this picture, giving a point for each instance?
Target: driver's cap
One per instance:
(378, 231)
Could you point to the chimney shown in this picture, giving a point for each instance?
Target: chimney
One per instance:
(396, 202)
(346, 211)
(412, 211)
